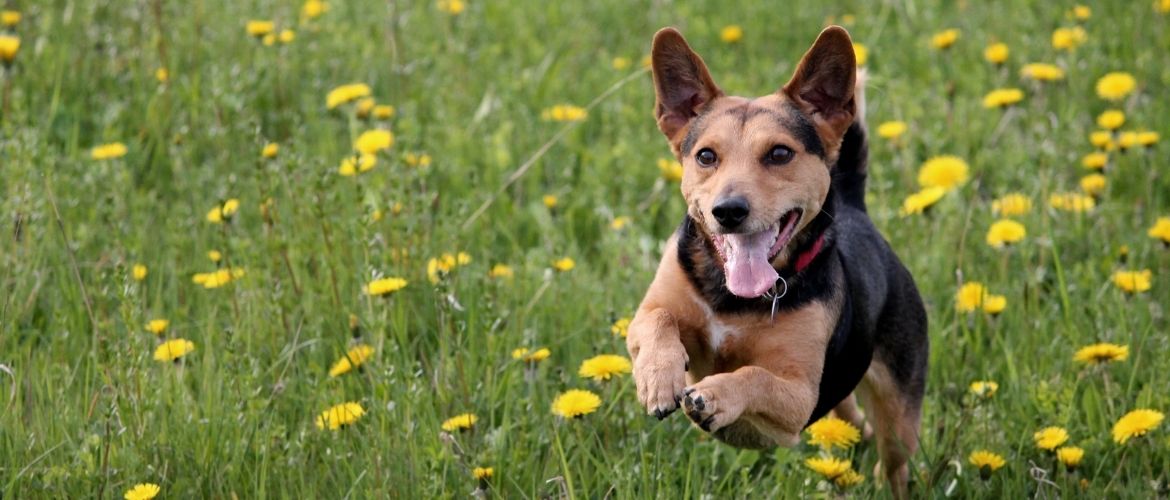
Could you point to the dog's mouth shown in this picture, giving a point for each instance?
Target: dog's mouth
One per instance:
(747, 258)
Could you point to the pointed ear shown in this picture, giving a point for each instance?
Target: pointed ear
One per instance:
(822, 85)
(681, 82)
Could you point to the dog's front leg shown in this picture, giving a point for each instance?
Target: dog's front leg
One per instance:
(660, 360)
(777, 407)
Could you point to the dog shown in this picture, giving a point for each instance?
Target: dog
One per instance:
(777, 297)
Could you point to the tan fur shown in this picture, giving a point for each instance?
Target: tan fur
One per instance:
(895, 425)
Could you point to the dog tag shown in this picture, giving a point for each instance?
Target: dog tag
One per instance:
(777, 296)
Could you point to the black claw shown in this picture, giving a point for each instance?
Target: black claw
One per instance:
(660, 413)
(677, 401)
(687, 366)
(706, 424)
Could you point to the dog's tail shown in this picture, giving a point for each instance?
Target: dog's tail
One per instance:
(852, 163)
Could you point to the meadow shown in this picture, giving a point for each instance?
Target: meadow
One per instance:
(358, 249)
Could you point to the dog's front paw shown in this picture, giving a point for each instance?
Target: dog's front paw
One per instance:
(711, 404)
(660, 376)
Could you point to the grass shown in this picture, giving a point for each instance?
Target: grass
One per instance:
(86, 411)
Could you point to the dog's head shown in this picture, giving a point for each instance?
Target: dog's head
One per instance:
(755, 171)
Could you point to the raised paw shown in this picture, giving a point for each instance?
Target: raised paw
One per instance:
(660, 378)
(709, 406)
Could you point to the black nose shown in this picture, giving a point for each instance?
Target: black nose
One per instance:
(730, 212)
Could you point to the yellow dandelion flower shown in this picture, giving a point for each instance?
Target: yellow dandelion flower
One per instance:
(829, 432)
(385, 286)
(1072, 202)
(364, 107)
(351, 165)
(1162, 6)
(220, 277)
(1127, 139)
(996, 53)
(944, 39)
(1136, 423)
(922, 200)
(372, 141)
(142, 491)
(1093, 184)
(564, 113)
(550, 200)
(353, 358)
(519, 353)
(108, 151)
(994, 304)
(620, 63)
(174, 349)
(483, 473)
(9, 46)
(417, 159)
(270, 150)
(828, 467)
(604, 366)
(1102, 139)
(849, 479)
(527, 356)
(1147, 138)
(1082, 12)
(948, 172)
(460, 422)
(162, 75)
(987, 462)
(1115, 86)
(575, 403)
(1070, 456)
(1095, 161)
(620, 327)
(501, 271)
(259, 29)
(620, 222)
(1002, 98)
(214, 255)
(383, 111)
(731, 34)
(671, 170)
(452, 7)
(1069, 38)
(1133, 281)
(1049, 438)
(1111, 120)
(138, 272)
(157, 326)
(984, 388)
(346, 93)
(1161, 230)
(860, 53)
(1012, 204)
(269, 40)
(970, 296)
(340, 415)
(891, 130)
(9, 18)
(313, 9)
(287, 36)
(564, 264)
(230, 207)
(1005, 232)
(1101, 353)
(1042, 72)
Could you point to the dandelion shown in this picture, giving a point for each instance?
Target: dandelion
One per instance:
(1049, 438)
(1070, 456)
(1136, 423)
(564, 264)
(575, 403)
(162, 75)
(9, 46)
(1042, 72)
(1161, 230)
(970, 296)
(550, 200)
(461, 422)
(142, 491)
(947, 172)
(383, 111)
(564, 113)
(987, 462)
(214, 256)
(984, 389)
(1002, 98)
(157, 326)
(1005, 232)
(1093, 184)
(922, 200)
(1132, 281)
(1111, 120)
(618, 223)
(1162, 6)
(1102, 139)
(259, 29)
(671, 170)
(1012, 204)
(620, 63)
(9, 18)
(108, 151)
(138, 272)
(218, 278)
(269, 40)
(270, 150)
(172, 350)
(453, 7)
(501, 271)
(944, 39)
(621, 327)
(340, 415)
(1115, 86)
(860, 53)
(529, 356)
(438, 267)
(224, 211)
(1069, 38)
(313, 9)
(1126, 140)
(1095, 161)
(1072, 202)
(384, 286)
(994, 304)
(354, 358)
(417, 159)
(372, 141)
(829, 467)
(604, 367)
(829, 432)
(346, 93)
(891, 130)
(1148, 138)
(483, 473)
(731, 34)
(1082, 12)
(287, 36)
(1103, 352)
(849, 479)
(996, 53)
(353, 165)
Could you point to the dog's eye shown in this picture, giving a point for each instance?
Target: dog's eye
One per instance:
(779, 155)
(706, 157)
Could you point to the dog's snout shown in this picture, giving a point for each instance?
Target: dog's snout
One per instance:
(731, 211)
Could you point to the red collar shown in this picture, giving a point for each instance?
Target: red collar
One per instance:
(805, 258)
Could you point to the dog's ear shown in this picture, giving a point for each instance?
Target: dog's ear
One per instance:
(822, 85)
(681, 82)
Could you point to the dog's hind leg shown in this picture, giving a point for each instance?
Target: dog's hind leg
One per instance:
(895, 415)
(848, 411)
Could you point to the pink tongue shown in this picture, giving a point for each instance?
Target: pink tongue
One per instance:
(749, 274)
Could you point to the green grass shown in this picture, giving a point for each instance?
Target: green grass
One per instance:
(85, 411)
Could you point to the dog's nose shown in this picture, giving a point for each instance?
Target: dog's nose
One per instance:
(730, 212)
